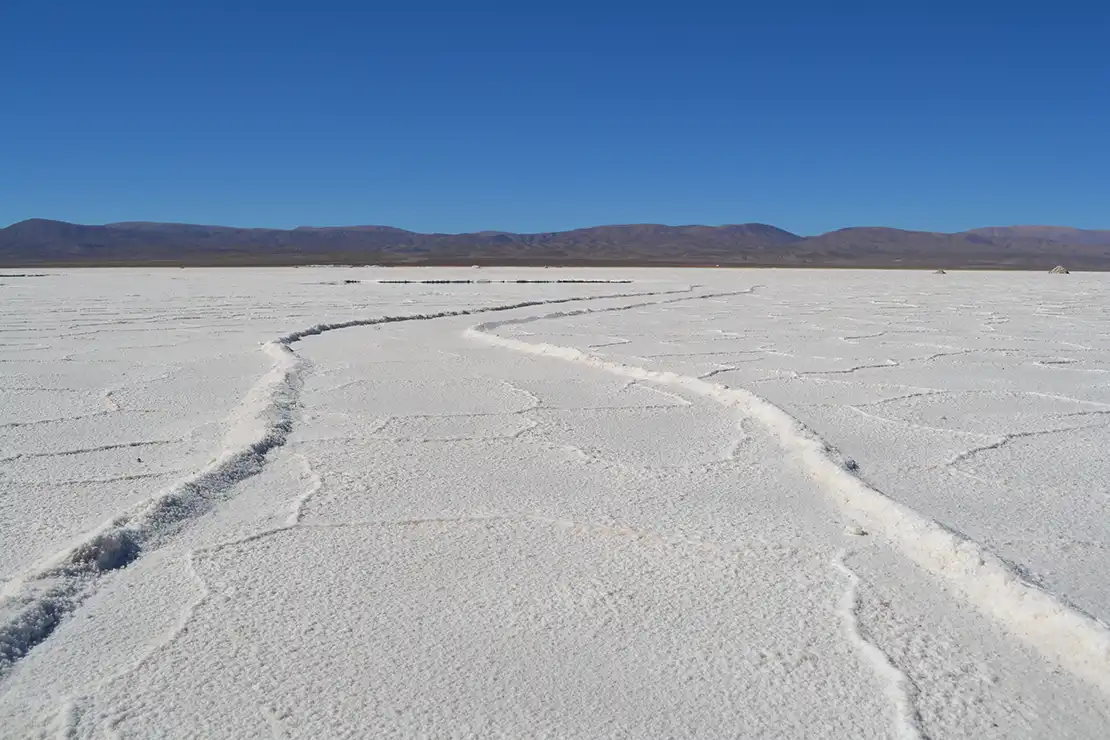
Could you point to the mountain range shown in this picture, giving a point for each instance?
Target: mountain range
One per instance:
(43, 243)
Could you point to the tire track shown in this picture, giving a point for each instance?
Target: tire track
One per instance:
(1060, 632)
(34, 603)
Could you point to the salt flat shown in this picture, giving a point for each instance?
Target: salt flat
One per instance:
(682, 503)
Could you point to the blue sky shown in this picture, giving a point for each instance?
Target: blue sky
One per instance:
(537, 117)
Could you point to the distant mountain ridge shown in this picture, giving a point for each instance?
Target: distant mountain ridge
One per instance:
(42, 242)
(1062, 234)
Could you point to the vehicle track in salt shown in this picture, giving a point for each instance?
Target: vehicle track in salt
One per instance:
(34, 603)
(1059, 631)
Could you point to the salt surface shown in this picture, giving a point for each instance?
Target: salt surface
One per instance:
(754, 503)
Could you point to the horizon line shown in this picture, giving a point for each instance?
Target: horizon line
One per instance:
(110, 224)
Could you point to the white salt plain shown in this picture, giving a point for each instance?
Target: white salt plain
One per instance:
(724, 503)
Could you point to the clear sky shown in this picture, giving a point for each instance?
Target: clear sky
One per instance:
(530, 116)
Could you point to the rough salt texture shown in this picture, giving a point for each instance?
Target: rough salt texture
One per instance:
(710, 511)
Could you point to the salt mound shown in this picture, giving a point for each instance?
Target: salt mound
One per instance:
(1059, 270)
(940, 272)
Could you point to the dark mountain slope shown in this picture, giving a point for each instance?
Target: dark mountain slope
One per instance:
(42, 242)
(1059, 234)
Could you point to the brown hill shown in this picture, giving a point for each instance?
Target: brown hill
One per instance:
(42, 242)
(1059, 234)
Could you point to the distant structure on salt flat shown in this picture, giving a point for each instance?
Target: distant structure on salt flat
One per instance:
(1059, 270)
(940, 272)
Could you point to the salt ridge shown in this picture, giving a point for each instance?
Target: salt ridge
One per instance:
(1060, 632)
(34, 603)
